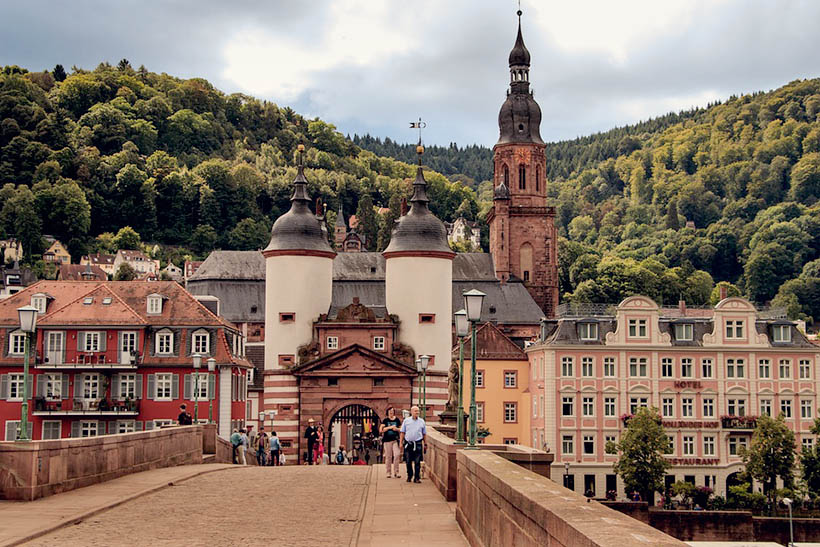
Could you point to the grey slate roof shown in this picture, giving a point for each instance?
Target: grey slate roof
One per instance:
(237, 279)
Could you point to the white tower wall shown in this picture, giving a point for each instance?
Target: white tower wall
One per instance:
(422, 285)
(294, 284)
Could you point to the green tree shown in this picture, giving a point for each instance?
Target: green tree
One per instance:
(771, 454)
(731, 290)
(19, 219)
(127, 238)
(366, 223)
(810, 463)
(249, 235)
(125, 273)
(65, 209)
(59, 73)
(672, 222)
(805, 179)
(641, 463)
(203, 239)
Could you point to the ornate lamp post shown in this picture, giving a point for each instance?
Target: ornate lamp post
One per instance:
(418, 369)
(28, 324)
(425, 360)
(197, 365)
(462, 327)
(473, 302)
(211, 368)
(566, 474)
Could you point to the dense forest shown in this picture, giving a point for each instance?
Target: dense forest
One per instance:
(87, 154)
(669, 207)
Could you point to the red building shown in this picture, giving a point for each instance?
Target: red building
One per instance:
(115, 357)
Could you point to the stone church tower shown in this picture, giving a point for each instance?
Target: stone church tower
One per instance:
(523, 241)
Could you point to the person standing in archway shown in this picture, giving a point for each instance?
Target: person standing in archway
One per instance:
(414, 440)
(390, 429)
(311, 435)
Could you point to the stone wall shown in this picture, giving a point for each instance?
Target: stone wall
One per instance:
(41, 468)
(720, 525)
(442, 466)
(499, 503)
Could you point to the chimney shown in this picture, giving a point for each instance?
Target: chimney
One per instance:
(724, 292)
(403, 206)
(682, 307)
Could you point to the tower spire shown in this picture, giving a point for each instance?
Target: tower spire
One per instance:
(300, 182)
(419, 185)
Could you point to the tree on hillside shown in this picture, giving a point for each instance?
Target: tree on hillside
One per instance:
(126, 238)
(731, 290)
(249, 235)
(672, 222)
(204, 239)
(125, 273)
(59, 73)
(810, 463)
(771, 454)
(641, 463)
(366, 221)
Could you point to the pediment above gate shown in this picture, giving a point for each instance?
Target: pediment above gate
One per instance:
(355, 360)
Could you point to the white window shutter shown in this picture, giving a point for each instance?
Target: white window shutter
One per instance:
(41, 385)
(4, 386)
(64, 391)
(75, 429)
(188, 392)
(11, 430)
(152, 387)
(212, 386)
(175, 386)
(139, 386)
(81, 341)
(149, 424)
(115, 386)
(103, 338)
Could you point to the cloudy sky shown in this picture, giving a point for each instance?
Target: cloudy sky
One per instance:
(374, 65)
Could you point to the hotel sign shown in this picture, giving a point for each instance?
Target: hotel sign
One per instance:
(692, 424)
(683, 384)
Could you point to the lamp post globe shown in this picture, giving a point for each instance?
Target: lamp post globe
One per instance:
(28, 324)
(473, 302)
(211, 368)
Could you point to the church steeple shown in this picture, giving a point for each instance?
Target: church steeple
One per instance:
(520, 117)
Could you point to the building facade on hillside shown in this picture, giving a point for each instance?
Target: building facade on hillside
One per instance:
(103, 261)
(174, 272)
(345, 241)
(114, 357)
(11, 250)
(523, 240)
(14, 279)
(57, 253)
(190, 267)
(462, 229)
(710, 373)
(502, 386)
(137, 260)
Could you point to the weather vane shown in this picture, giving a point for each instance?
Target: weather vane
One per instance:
(418, 125)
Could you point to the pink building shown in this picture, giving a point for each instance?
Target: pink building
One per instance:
(709, 372)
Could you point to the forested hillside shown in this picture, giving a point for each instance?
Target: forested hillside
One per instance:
(744, 174)
(84, 154)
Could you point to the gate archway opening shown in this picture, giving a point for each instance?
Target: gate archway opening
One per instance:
(356, 427)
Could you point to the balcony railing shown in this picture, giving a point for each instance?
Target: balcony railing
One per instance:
(85, 407)
(82, 359)
(738, 422)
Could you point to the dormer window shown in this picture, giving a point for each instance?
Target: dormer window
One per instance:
(588, 331)
(637, 328)
(200, 342)
(165, 342)
(154, 304)
(781, 333)
(734, 329)
(39, 302)
(684, 332)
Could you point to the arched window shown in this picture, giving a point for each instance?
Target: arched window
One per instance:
(537, 178)
(507, 176)
(525, 261)
(522, 177)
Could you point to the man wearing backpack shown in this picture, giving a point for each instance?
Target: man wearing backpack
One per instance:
(340, 455)
(236, 440)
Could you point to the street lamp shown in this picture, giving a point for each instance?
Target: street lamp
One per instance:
(788, 502)
(211, 368)
(566, 474)
(462, 328)
(473, 302)
(28, 324)
(197, 365)
(425, 360)
(418, 369)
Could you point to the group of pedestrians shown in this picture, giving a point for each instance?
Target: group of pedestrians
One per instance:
(315, 437)
(408, 437)
(267, 448)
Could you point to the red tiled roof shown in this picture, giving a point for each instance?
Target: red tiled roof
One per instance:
(100, 306)
(74, 272)
(99, 258)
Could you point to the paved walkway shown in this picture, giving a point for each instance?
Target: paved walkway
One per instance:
(24, 520)
(401, 513)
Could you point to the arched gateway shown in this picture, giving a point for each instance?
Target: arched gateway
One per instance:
(356, 427)
(346, 389)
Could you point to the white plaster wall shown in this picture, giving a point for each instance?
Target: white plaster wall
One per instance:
(300, 284)
(224, 410)
(417, 285)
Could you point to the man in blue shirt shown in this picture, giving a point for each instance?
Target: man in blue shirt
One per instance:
(414, 440)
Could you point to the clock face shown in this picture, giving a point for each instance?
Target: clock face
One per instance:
(523, 155)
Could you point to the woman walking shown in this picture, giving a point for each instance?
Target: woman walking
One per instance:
(390, 429)
(320, 446)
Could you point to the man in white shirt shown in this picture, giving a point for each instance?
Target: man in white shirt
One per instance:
(413, 438)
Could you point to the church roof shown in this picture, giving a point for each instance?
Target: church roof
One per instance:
(520, 55)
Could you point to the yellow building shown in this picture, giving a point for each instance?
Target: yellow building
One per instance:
(57, 253)
(502, 386)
